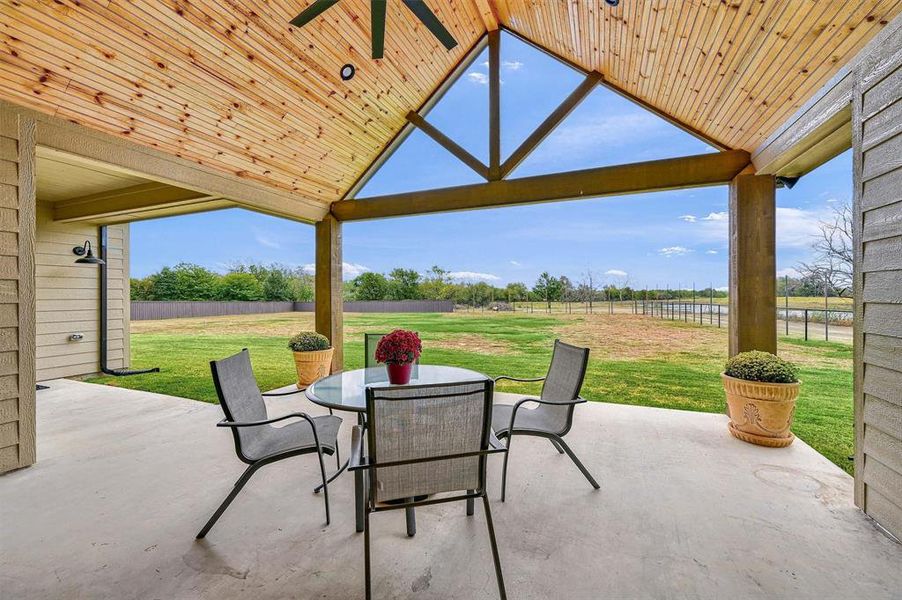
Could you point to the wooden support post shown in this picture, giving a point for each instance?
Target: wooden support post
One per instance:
(328, 298)
(494, 105)
(753, 279)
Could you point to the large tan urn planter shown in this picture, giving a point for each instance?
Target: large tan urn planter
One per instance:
(761, 413)
(312, 366)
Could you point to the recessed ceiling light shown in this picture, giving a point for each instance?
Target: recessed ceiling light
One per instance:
(347, 72)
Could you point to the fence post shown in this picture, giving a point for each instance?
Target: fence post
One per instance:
(826, 325)
(806, 324)
(719, 306)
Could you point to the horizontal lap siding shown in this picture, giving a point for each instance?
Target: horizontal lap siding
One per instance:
(877, 120)
(17, 217)
(68, 298)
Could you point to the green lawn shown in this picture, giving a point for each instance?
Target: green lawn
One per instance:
(635, 360)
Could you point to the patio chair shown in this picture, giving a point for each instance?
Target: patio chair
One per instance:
(424, 440)
(257, 442)
(370, 341)
(553, 416)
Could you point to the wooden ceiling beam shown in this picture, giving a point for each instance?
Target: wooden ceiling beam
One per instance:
(550, 123)
(448, 144)
(488, 10)
(672, 173)
(130, 200)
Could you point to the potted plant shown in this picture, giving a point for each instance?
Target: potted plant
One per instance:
(761, 395)
(399, 350)
(312, 356)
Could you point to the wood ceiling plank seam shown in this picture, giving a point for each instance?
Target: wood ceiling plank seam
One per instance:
(848, 45)
(573, 26)
(649, 60)
(318, 94)
(698, 51)
(587, 15)
(247, 96)
(614, 43)
(90, 76)
(673, 76)
(707, 78)
(291, 51)
(46, 96)
(673, 27)
(627, 31)
(799, 42)
(750, 20)
(749, 60)
(646, 45)
(739, 51)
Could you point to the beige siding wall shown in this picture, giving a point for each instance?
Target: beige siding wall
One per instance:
(68, 297)
(17, 221)
(877, 133)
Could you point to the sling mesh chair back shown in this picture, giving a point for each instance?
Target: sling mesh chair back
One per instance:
(257, 442)
(553, 415)
(424, 440)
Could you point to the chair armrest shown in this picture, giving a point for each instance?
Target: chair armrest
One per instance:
(495, 443)
(520, 379)
(577, 400)
(226, 423)
(272, 394)
(357, 461)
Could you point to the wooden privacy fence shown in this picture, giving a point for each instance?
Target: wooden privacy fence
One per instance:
(147, 310)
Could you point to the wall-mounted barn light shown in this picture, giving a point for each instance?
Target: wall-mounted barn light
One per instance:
(87, 255)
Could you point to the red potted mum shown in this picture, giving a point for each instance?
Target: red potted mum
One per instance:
(399, 350)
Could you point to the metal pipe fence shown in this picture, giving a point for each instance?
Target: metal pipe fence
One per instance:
(146, 310)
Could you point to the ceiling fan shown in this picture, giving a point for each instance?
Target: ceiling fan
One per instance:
(377, 10)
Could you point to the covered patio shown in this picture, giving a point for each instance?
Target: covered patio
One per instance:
(684, 510)
(179, 107)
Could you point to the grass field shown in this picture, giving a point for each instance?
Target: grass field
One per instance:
(634, 360)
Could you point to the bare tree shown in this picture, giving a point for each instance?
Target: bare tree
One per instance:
(832, 264)
(589, 287)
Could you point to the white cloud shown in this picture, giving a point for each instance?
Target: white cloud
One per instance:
(511, 65)
(711, 252)
(717, 216)
(480, 78)
(688, 218)
(472, 276)
(590, 134)
(265, 241)
(516, 263)
(722, 288)
(615, 273)
(796, 227)
(348, 270)
(832, 200)
(674, 251)
(788, 272)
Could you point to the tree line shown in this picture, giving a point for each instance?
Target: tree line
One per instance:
(255, 282)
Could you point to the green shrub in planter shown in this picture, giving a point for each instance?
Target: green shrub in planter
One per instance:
(761, 366)
(309, 341)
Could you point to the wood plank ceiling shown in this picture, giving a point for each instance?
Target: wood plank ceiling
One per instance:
(229, 84)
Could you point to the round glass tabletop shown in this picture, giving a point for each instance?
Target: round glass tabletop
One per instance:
(347, 390)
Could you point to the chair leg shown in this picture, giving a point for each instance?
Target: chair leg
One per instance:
(322, 470)
(410, 514)
(245, 477)
(332, 477)
(556, 446)
(471, 504)
(366, 554)
(576, 461)
(488, 520)
(510, 438)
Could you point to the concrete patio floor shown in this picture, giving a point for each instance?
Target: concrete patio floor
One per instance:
(125, 479)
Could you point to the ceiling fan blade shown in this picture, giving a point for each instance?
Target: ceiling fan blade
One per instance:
(377, 16)
(426, 16)
(311, 12)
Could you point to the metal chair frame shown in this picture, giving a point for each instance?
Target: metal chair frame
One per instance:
(254, 465)
(358, 461)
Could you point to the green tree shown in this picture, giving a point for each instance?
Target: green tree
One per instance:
(516, 291)
(239, 286)
(277, 284)
(547, 289)
(142, 289)
(302, 286)
(370, 286)
(185, 281)
(403, 284)
(437, 284)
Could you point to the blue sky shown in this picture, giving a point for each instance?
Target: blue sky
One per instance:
(661, 239)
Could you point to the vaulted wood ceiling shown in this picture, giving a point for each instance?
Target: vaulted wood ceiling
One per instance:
(229, 84)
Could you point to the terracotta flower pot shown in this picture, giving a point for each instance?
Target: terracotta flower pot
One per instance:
(761, 413)
(312, 366)
(399, 374)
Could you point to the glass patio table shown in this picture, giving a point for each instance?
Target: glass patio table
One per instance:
(347, 391)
